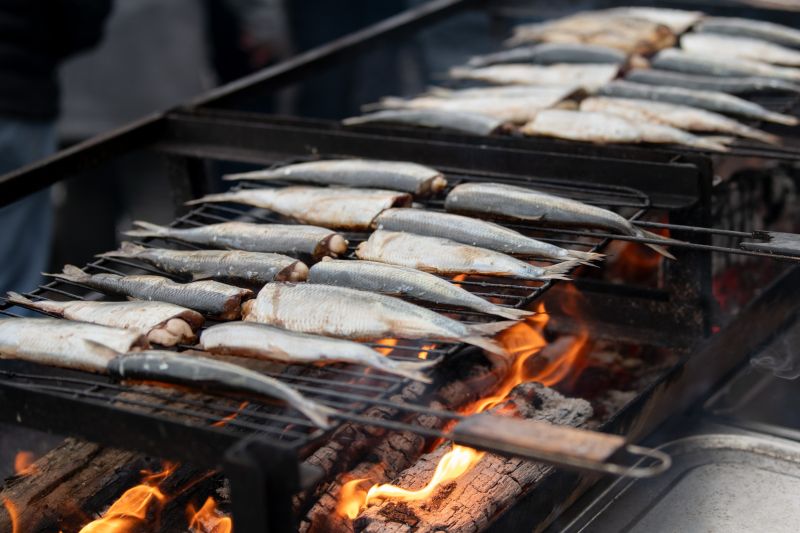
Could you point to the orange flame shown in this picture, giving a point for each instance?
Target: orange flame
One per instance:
(13, 514)
(23, 464)
(208, 519)
(633, 262)
(423, 354)
(351, 498)
(226, 419)
(458, 278)
(135, 507)
(385, 346)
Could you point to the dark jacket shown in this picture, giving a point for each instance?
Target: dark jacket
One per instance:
(35, 36)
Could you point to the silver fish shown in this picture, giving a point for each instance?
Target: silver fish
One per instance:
(474, 232)
(163, 323)
(207, 296)
(587, 76)
(261, 341)
(470, 123)
(757, 29)
(206, 372)
(508, 109)
(732, 85)
(740, 48)
(393, 279)
(508, 201)
(675, 115)
(64, 343)
(281, 238)
(604, 128)
(712, 101)
(549, 53)
(444, 256)
(416, 179)
(677, 20)
(234, 265)
(355, 314)
(555, 93)
(720, 65)
(332, 207)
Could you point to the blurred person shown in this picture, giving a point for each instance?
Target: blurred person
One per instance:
(36, 36)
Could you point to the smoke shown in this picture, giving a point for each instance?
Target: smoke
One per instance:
(782, 355)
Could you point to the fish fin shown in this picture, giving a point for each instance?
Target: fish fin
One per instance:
(319, 414)
(219, 197)
(410, 370)
(200, 276)
(759, 135)
(147, 230)
(70, 273)
(585, 258)
(416, 364)
(126, 249)
(491, 328)
(779, 118)
(18, 299)
(101, 348)
(560, 270)
(511, 313)
(263, 174)
(490, 345)
(655, 247)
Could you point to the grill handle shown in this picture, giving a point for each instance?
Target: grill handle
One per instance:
(559, 445)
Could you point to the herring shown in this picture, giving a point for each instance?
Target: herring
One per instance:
(402, 176)
(212, 297)
(718, 64)
(361, 315)
(549, 53)
(677, 20)
(710, 100)
(740, 48)
(261, 341)
(508, 201)
(331, 207)
(475, 232)
(163, 323)
(587, 76)
(281, 238)
(758, 29)
(460, 122)
(700, 82)
(233, 265)
(399, 280)
(443, 256)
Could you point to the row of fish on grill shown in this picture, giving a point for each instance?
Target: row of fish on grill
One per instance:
(621, 75)
(305, 315)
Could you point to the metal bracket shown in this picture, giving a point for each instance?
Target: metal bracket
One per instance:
(777, 243)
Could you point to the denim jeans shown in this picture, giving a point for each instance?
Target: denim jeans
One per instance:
(25, 225)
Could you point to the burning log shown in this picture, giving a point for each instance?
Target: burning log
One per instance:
(471, 500)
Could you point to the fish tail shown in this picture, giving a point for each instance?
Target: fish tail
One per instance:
(70, 273)
(387, 102)
(411, 370)
(126, 249)
(639, 232)
(17, 298)
(560, 270)
(509, 312)
(147, 230)
(264, 174)
(708, 143)
(460, 72)
(585, 258)
(780, 118)
(759, 135)
(490, 328)
(319, 414)
(490, 345)
(219, 197)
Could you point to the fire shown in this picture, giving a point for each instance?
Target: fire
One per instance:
(13, 514)
(458, 278)
(225, 420)
(523, 341)
(135, 507)
(386, 346)
(634, 262)
(423, 354)
(23, 463)
(208, 519)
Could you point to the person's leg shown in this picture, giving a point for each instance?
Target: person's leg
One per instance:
(26, 225)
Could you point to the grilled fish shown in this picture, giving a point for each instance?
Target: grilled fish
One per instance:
(756, 29)
(508, 201)
(261, 341)
(354, 314)
(740, 48)
(281, 238)
(416, 179)
(474, 232)
(605, 128)
(629, 34)
(234, 265)
(332, 207)
(392, 279)
(470, 123)
(587, 76)
(207, 372)
(712, 101)
(64, 343)
(517, 109)
(677, 20)
(555, 93)
(207, 296)
(720, 65)
(732, 85)
(444, 256)
(677, 116)
(163, 323)
(549, 53)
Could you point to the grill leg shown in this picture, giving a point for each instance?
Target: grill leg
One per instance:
(263, 476)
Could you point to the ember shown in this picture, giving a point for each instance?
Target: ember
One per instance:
(11, 509)
(23, 463)
(208, 519)
(386, 346)
(222, 422)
